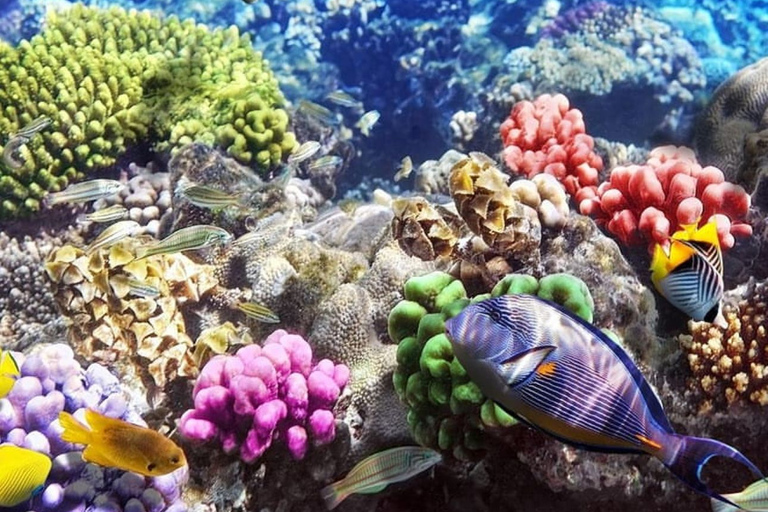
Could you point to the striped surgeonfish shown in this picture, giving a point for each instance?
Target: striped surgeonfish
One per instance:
(690, 274)
(560, 374)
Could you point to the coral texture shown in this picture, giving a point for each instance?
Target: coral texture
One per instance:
(113, 324)
(648, 203)
(52, 381)
(731, 365)
(548, 136)
(107, 78)
(264, 393)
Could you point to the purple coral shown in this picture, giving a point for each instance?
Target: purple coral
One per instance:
(264, 393)
(52, 381)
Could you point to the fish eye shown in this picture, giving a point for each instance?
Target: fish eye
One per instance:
(151, 466)
(174, 460)
(495, 316)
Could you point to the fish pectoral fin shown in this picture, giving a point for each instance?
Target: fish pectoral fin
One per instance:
(520, 366)
(94, 455)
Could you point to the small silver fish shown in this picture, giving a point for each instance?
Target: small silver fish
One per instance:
(258, 312)
(187, 239)
(406, 167)
(754, 499)
(325, 162)
(367, 122)
(374, 473)
(209, 197)
(20, 138)
(343, 99)
(113, 234)
(85, 191)
(317, 112)
(109, 214)
(306, 150)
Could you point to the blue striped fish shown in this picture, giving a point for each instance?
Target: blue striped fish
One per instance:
(690, 274)
(560, 374)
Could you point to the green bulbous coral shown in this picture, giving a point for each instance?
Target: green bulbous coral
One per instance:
(447, 411)
(110, 78)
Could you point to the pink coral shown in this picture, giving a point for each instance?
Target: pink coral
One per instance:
(248, 400)
(648, 203)
(548, 136)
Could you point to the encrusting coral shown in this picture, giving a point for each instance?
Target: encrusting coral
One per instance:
(730, 365)
(263, 393)
(446, 410)
(113, 324)
(52, 381)
(108, 78)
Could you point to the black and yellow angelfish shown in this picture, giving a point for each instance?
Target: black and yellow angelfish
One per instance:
(689, 274)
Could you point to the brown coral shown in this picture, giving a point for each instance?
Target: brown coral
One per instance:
(491, 209)
(113, 324)
(422, 230)
(731, 365)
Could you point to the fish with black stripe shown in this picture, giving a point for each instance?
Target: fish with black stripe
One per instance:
(560, 374)
(689, 273)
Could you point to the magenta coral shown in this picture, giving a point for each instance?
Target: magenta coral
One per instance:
(648, 203)
(263, 393)
(548, 136)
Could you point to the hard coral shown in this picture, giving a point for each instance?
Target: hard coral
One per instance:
(112, 325)
(648, 203)
(548, 136)
(52, 381)
(731, 365)
(107, 78)
(265, 393)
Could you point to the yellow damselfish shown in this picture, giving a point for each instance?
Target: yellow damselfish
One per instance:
(690, 273)
(9, 372)
(22, 474)
(115, 443)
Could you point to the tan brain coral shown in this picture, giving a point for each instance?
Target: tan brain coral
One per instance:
(111, 323)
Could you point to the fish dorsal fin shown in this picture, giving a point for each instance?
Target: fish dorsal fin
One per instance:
(8, 365)
(522, 365)
(99, 423)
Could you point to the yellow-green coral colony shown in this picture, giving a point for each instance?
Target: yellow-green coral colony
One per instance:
(110, 78)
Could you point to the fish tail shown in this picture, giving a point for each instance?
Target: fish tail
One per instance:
(686, 456)
(74, 431)
(332, 495)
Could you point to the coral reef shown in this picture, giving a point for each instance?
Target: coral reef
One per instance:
(446, 411)
(548, 136)
(263, 393)
(729, 365)
(730, 134)
(648, 203)
(89, 73)
(51, 382)
(111, 323)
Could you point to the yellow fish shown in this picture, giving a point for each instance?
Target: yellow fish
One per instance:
(9, 372)
(22, 474)
(115, 443)
(690, 273)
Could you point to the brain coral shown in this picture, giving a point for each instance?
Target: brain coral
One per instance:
(734, 121)
(108, 78)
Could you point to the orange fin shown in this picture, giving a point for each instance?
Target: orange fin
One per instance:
(74, 431)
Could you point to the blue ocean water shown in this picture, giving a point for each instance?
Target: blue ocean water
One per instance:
(343, 123)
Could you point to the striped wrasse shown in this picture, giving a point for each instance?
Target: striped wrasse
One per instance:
(187, 239)
(208, 197)
(754, 499)
(85, 191)
(113, 234)
(374, 473)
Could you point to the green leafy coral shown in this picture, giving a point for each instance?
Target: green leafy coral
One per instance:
(110, 78)
(447, 411)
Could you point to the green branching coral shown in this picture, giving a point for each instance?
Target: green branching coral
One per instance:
(109, 78)
(447, 411)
